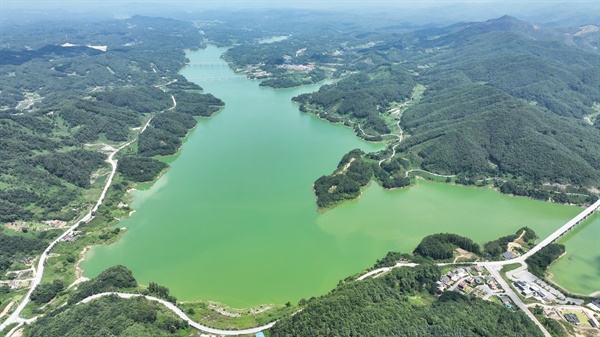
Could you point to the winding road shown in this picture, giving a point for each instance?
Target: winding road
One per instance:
(14, 317)
(433, 174)
(400, 137)
(494, 267)
(183, 316)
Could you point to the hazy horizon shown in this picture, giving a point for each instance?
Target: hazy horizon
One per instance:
(422, 12)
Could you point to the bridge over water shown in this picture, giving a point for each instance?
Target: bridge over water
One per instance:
(564, 229)
(216, 78)
(205, 64)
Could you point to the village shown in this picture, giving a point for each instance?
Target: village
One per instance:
(23, 273)
(538, 296)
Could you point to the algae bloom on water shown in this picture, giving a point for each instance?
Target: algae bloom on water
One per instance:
(234, 220)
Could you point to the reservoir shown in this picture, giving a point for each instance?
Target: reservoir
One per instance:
(579, 269)
(234, 219)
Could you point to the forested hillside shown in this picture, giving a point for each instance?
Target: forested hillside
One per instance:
(398, 304)
(106, 316)
(502, 99)
(461, 126)
(62, 103)
(361, 99)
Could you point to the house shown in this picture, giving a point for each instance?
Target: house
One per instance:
(461, 273)
(13, 284)
(527, 292)
(445, 279)
(592, 323)
(572, 318)
(520, 285)
(505, 300)
(479, 269)
(508, 255)
(462, 286)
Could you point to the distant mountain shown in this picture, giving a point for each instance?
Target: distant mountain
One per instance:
(503, 98)
(473, 128)
(19, 57)
(459, 33)
(498, 94)
(528, 62)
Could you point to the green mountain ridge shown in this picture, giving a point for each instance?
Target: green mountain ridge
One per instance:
(478, 129)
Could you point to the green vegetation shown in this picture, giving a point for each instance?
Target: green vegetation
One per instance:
(391, 258)
(442, 246)
(112, 279)
(44, 293)
(175, 123)
(386, 307)
(103, 96)
(21, 247)
(355, 171)
(156, 142)
(161, 292)
(527, 235)
(109, 316)
(62, 165)
(140, 169)
(553, 326)
(51, 160)
(7, 329)
(195, 104)
(484, 113)
(509, 267)
(494, 249)
(470, 147)
(361, 99)
(291, 79)
(498, 247)
(540, 261)
(204, 313)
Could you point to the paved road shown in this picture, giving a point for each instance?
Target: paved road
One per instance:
(558, 233)
(552, 237)
(183, 316)
(14, 317)
(494, 266)
(400, 136)
(433, 174)
(384, 270)
(493, 269)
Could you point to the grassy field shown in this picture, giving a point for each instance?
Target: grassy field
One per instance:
(582, 317)
(206, 313)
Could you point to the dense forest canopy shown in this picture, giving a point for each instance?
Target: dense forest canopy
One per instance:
(500, 99)
(386, 306)
(441, 246)
(110, 316)
(58, 100)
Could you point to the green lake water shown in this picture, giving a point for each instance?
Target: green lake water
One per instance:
(234, 219)
(579, 269)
